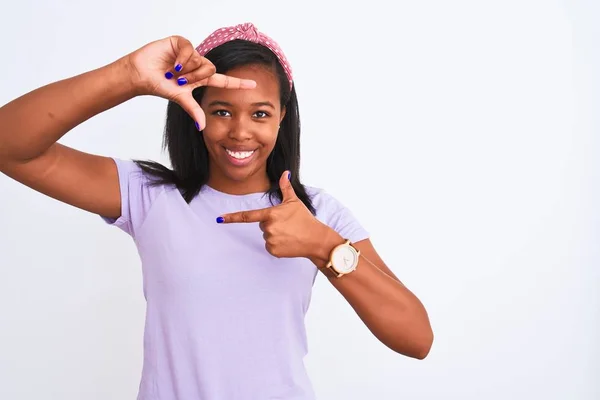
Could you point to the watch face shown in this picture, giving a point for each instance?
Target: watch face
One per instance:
(344, 259)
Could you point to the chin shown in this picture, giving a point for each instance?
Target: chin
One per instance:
(238, 175)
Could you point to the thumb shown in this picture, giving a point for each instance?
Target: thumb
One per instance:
(191, 106)
(285, 184)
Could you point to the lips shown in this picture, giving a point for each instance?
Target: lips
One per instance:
(240, 157)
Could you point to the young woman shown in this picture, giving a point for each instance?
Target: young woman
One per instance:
(230, 240)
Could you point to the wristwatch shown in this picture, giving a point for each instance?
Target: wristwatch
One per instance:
(343, 259)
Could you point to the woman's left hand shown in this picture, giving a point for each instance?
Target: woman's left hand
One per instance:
(289, 228)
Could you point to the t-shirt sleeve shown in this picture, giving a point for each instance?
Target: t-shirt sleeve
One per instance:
(137, 197)
(334, 214)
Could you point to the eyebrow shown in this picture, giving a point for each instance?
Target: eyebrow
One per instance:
(226, 104)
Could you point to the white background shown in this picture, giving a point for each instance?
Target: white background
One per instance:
(463, 135)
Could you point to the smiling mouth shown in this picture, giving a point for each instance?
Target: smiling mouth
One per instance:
(240, 155)
(240, 158)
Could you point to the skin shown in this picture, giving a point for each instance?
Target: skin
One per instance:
(242, 120)
(31, 125)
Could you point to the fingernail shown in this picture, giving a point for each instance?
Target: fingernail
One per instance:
(178, 67)
(220, 220)
(182, 81)
(289, 176)
(198, 126)
(169, 75)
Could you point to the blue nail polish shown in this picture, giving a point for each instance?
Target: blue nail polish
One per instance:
(169, 75)
(178, 67)
(289, 176)
(182, 81)
(198, 126)
(220, 220)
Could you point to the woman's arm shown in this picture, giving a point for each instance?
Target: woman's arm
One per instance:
(31, 125)
(394, 315)
(390, 311)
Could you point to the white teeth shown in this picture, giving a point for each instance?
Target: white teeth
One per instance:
(240, 155)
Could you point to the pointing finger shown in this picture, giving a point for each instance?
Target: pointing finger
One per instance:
(245, 216)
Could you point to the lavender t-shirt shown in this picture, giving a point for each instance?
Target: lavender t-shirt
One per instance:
(224, 318)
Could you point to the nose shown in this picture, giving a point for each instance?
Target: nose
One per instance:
(240, 129)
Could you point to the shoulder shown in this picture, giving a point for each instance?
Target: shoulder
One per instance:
(335, 214)
(321, 199)
(325, 203)
(130, 173)
(138, 192)
(145, 176)
(131, 170)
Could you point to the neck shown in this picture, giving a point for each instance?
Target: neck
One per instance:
(256, 183)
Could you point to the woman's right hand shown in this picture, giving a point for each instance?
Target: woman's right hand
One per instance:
(154, 71)
(31, 125)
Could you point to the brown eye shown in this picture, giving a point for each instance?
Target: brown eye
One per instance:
(261, 114)
(221, 113)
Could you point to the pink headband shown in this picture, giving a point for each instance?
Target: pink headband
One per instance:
(247, 32)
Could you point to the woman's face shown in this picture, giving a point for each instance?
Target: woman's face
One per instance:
(241, 130)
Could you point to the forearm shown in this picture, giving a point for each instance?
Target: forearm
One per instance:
(32, 123)
(387, 307)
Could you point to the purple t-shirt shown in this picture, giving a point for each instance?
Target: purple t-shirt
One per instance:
(224, 318)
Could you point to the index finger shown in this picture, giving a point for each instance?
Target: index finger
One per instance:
(244, 216)
(228, 82)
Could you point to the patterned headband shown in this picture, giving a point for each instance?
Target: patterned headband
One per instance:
(247, 32)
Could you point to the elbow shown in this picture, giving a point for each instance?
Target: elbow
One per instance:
(419, 348)
(423, 351)
(424, 347)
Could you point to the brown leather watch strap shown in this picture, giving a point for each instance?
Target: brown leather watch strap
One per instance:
(329, 272)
